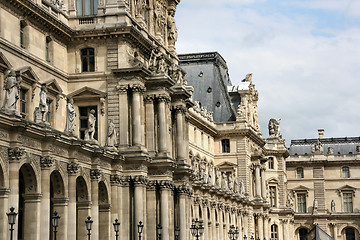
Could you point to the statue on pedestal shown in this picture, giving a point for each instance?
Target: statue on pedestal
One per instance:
(242, 187)
(236, 185)
(217, 178)
(211, 173)
(41, 112)
(70, 118)
(111, 140)
(231, 183)
(90, 131)
(11, 94)
(333, 206)
(224, 182)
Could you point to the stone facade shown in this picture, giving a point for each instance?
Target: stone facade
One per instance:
(118, 135)
(323, 182)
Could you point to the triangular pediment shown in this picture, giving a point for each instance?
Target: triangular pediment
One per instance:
(53, 86)
(4, 63)
(300, 188)
(273, 180)
(226, 164)
(346, 188)
(27, 74)
(86, 92)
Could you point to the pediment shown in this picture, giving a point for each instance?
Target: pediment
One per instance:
(4, 63)
(273, 180)
(226, 164)
(53, 87)
(346, 188)
(27, 74)
(87, 93)
(300, 188)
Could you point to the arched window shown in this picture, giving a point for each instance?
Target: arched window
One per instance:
(350, 234)
(345, 172)
(274, 232)
(302, 233)
(271, 163)
(299, 172)
(86, 7)
(88, 60)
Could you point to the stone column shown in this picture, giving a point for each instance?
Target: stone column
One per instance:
(136, 114)
(139, 198)
(213, 220)
(164, 210)
(260, 226)
(4, 226)
(95, 176)
(124, 207)
(114, 181)
(183, 192)
(186, 129)
(61, 206)
(221, 223)
(257, 180)
(73, 169)
(83, 211)
(286, 228)
(205, 219)
(46, 163)
(32, 216)
(263, 183)
(163, 148)
(266, 227)
(123, 115)
(150, 120)
(246, 224)
(14, 156)
(180, 143)
(151, 209)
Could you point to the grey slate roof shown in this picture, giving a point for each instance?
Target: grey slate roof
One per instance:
(346, 145)
(208, 74)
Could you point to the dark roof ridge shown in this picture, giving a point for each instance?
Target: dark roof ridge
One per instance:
(325, 140)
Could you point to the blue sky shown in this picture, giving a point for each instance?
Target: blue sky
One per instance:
(304, 56)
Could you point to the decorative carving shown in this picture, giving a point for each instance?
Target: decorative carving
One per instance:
(330, 151)
(274, 128)
(290, 201)
(160, 18)
(318, 147)
(333, 206)
(140, 180)
(163, 98)
(172, 30)
(231, 183)
(95, 174)
(70, 118)
(115, 179)
(122, 89)
(11, 94)
(73, 168)
(224, 182)
(15, 154)
(315, 206)
(140, 8)
(149, 98)
(137, 88)
(166, 184)
(46, 162)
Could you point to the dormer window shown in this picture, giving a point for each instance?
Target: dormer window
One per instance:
(86, 7)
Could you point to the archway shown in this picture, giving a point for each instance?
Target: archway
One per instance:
(29, 204)
(349, 233)
(58, 203)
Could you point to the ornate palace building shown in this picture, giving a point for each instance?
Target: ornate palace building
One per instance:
(323, 178)
(98, 118)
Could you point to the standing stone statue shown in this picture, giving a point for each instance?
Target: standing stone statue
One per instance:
(236, 186)
(161, 65)
(315, 206)
(159, 16)
(70, 118)
(155, 54)
(41, 112)
(231, 183)
(318, 148)
(217, 178)
(11, 94)
(290, 201)
(90, 131)
(274, 127)
(140, 7)
(224, 182)
(172, 30)
(242, 187)
(333, 206)
(196, 169)
(111, 140)
(211, 173)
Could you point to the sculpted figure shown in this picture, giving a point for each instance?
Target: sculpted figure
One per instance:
(333, 206)
(290, 201)
(315, 206)
(217, 179)
(172, 30)
(11, 93)
(330, 151)
(43, 104)
(206, 178)
(70, 117)
(195, 168)
(159, 16)
(236, 185)
(274, 127)
(178, 76)
(202, 170)
(210, 174)
(318, 147)
(231, 183)
(161, 65)
(224, 182)
(155, 54)
(112, 135)
(89, 133)
(242, 187)
(140, 7)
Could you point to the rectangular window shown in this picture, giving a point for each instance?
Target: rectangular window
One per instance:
(348, 202)
(301, 202)
(272, 190)
(225, 143)
(271, 163)
(23, 101)
(22, 41)
(84, 115)
(345, 172)
(299, 172)
(47, 50)
(50, 117)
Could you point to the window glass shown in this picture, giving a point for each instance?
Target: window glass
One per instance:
(301, 201)
(271, 163)
(345, 172)
(22, 42)
(87, 60)
(302, 233)
(300, 172)
(23, 94)
(274, 232)
(225, 145)
(348, 203)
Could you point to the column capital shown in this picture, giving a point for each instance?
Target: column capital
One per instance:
(149, 98)
(184, 189)
(233, 210)
(138, 88)
(73, 168)
(227, 208)
(164, 184)
(163, 98)
(95, 174)
(140, 180)
(213, 205)
(15, 153)
(124, 181)
(204, 202)
(220, 206)
(122, 88)
(46, 162)
(179, 109)
(151, 185)
(114, 179)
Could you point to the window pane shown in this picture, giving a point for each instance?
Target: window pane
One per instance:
(301, 199)
(95, 7)
(346, 172)
(300, 173)
(87, 8)
(348, 205)
(79, 7)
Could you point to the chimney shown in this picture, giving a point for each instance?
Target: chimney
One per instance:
(321, 133)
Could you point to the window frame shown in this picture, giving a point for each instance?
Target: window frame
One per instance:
(274, 232)
(225, 145)
(302, 173)
(271, 163)
(345, 203)
(81, 4)
(298, 194)
(273, 197)
(347, 173)
(90, 57)
(24, 102)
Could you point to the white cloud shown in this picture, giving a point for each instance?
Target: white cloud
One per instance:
(309, 80)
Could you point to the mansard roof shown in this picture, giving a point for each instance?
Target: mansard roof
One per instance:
(345, 145)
